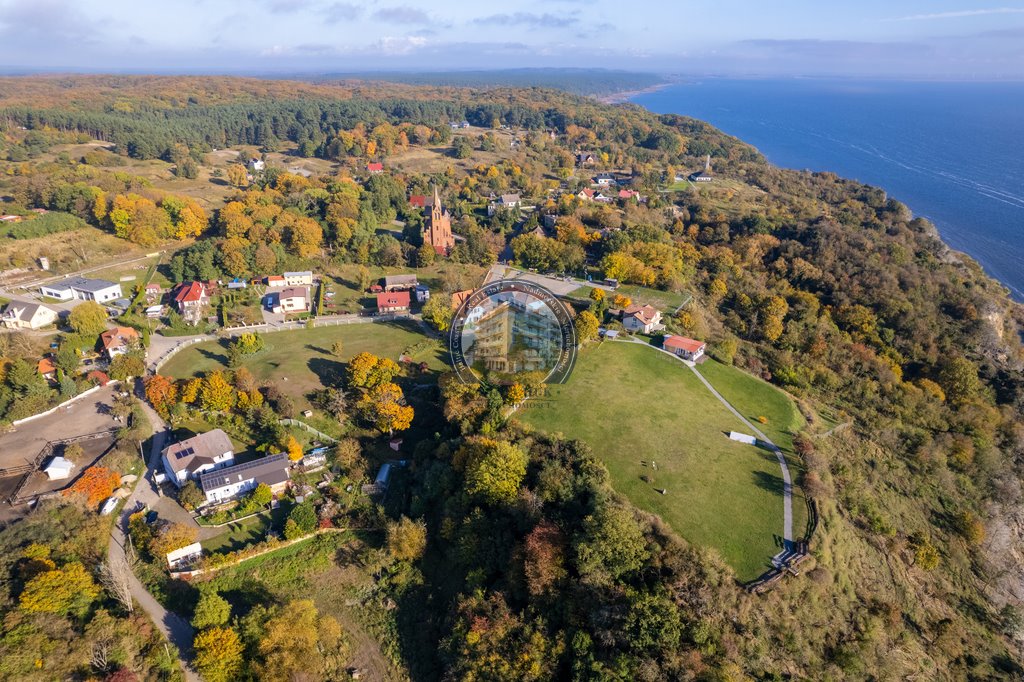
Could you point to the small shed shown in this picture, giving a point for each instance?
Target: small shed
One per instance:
(58, 469)
(742, 438)
(185, 556)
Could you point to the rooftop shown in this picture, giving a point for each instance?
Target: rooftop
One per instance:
(271, 469)
(193, 452)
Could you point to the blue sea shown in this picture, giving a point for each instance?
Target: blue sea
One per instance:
(953, 152)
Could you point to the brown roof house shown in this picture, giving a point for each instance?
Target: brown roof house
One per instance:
(118, 341)
(193, 456)
(641, 318)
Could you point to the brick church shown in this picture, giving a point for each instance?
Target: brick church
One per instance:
(437, 228)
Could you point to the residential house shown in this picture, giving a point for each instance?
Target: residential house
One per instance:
(82, 289)
(375, 168)
(274, 281)
(153, 292)
(627, 194)
(257, 165)
(154, 311)
(641, 318)
(602, 198)
(190, 298)
(420, 201)
(225, 484)
(293, 300)
(586, 159)
(193, 456)
(47, 369)
(604, 180)
(703, 175)
(506, 202)
(585, 194)
(184, 557)
(298, 279)
(688, 349)
(21, 315)
(393, 302)
(400, 282)
(118, 341)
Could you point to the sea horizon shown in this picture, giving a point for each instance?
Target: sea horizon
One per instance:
(946, 149)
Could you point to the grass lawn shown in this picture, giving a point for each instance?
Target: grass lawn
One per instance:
(300, 361)
(236, 535)
(665, 301)
(642, 405)
(344, 282)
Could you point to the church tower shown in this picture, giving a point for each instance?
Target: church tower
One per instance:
(437, 228)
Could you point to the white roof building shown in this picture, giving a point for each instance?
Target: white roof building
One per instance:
(58, 469)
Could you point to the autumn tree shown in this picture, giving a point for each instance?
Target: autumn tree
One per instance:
(173, 536)
(218, 654)
(515, 394)
(366, 370)
(161, 392)
(544, 557)
(384, 407)
(437, 311)
(238, 176)
(66, 590)
(494, 469)
(407, 539)
(586, 326)
(294, 448)
(299, 643)
(959, 380)
(217, 394)
(96, 484)
(88, 318)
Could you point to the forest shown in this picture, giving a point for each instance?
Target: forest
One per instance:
(904, 357)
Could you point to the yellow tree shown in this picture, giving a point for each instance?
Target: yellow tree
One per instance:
(218, 654)
(298, 643)
(172, 537)
(69, 589)
(407, 539)
(586, 326)
(190, 390)
(294, 448)
(237, 175)
(384, 407)
(217, 393)
(366, 370)
(305, 237)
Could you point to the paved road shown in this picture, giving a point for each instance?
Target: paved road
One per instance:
(176, 629)
(787, 481)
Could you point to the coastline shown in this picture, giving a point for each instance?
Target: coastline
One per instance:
(955, 248)
(625, 96)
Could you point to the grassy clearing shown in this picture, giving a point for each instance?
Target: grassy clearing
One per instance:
(642, 405)
(239, 534)
(665, 301)
(128, 275)
(300, 361)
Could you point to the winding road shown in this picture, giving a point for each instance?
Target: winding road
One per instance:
(787, 481)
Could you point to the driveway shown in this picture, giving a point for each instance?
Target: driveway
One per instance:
(175, 628)
(557, 285)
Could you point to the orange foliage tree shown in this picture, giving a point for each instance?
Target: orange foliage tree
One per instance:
(161, 393)
(95, 485)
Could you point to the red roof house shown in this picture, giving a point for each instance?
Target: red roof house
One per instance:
(189, 298)
(689, 349)
(393, 302)
(375, 167)
(118, 340)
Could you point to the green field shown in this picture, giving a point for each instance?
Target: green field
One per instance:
(665, 301)
(300, 361)
(634, 404)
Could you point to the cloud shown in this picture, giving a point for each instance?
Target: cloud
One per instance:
(288, 6)
(528, 19)
(47, 21)
(399, 45)
(340, 12)
(960, 14)
(402, 14)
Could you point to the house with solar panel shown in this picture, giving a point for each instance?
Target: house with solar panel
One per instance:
(220, 485)
(193, 456)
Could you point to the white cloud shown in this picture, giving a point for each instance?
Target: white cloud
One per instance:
(397, 45)
(960, 13)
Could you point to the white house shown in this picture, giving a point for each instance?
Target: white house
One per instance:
(21, 315)
(505, 201)
(298, 279)
(604, 180)
(193, 456)
(82, 289)
(641, 318)
(291, 300)
(58, 469)
(257, 165)
(226, 484)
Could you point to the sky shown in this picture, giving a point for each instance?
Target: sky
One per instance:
(954, 39)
